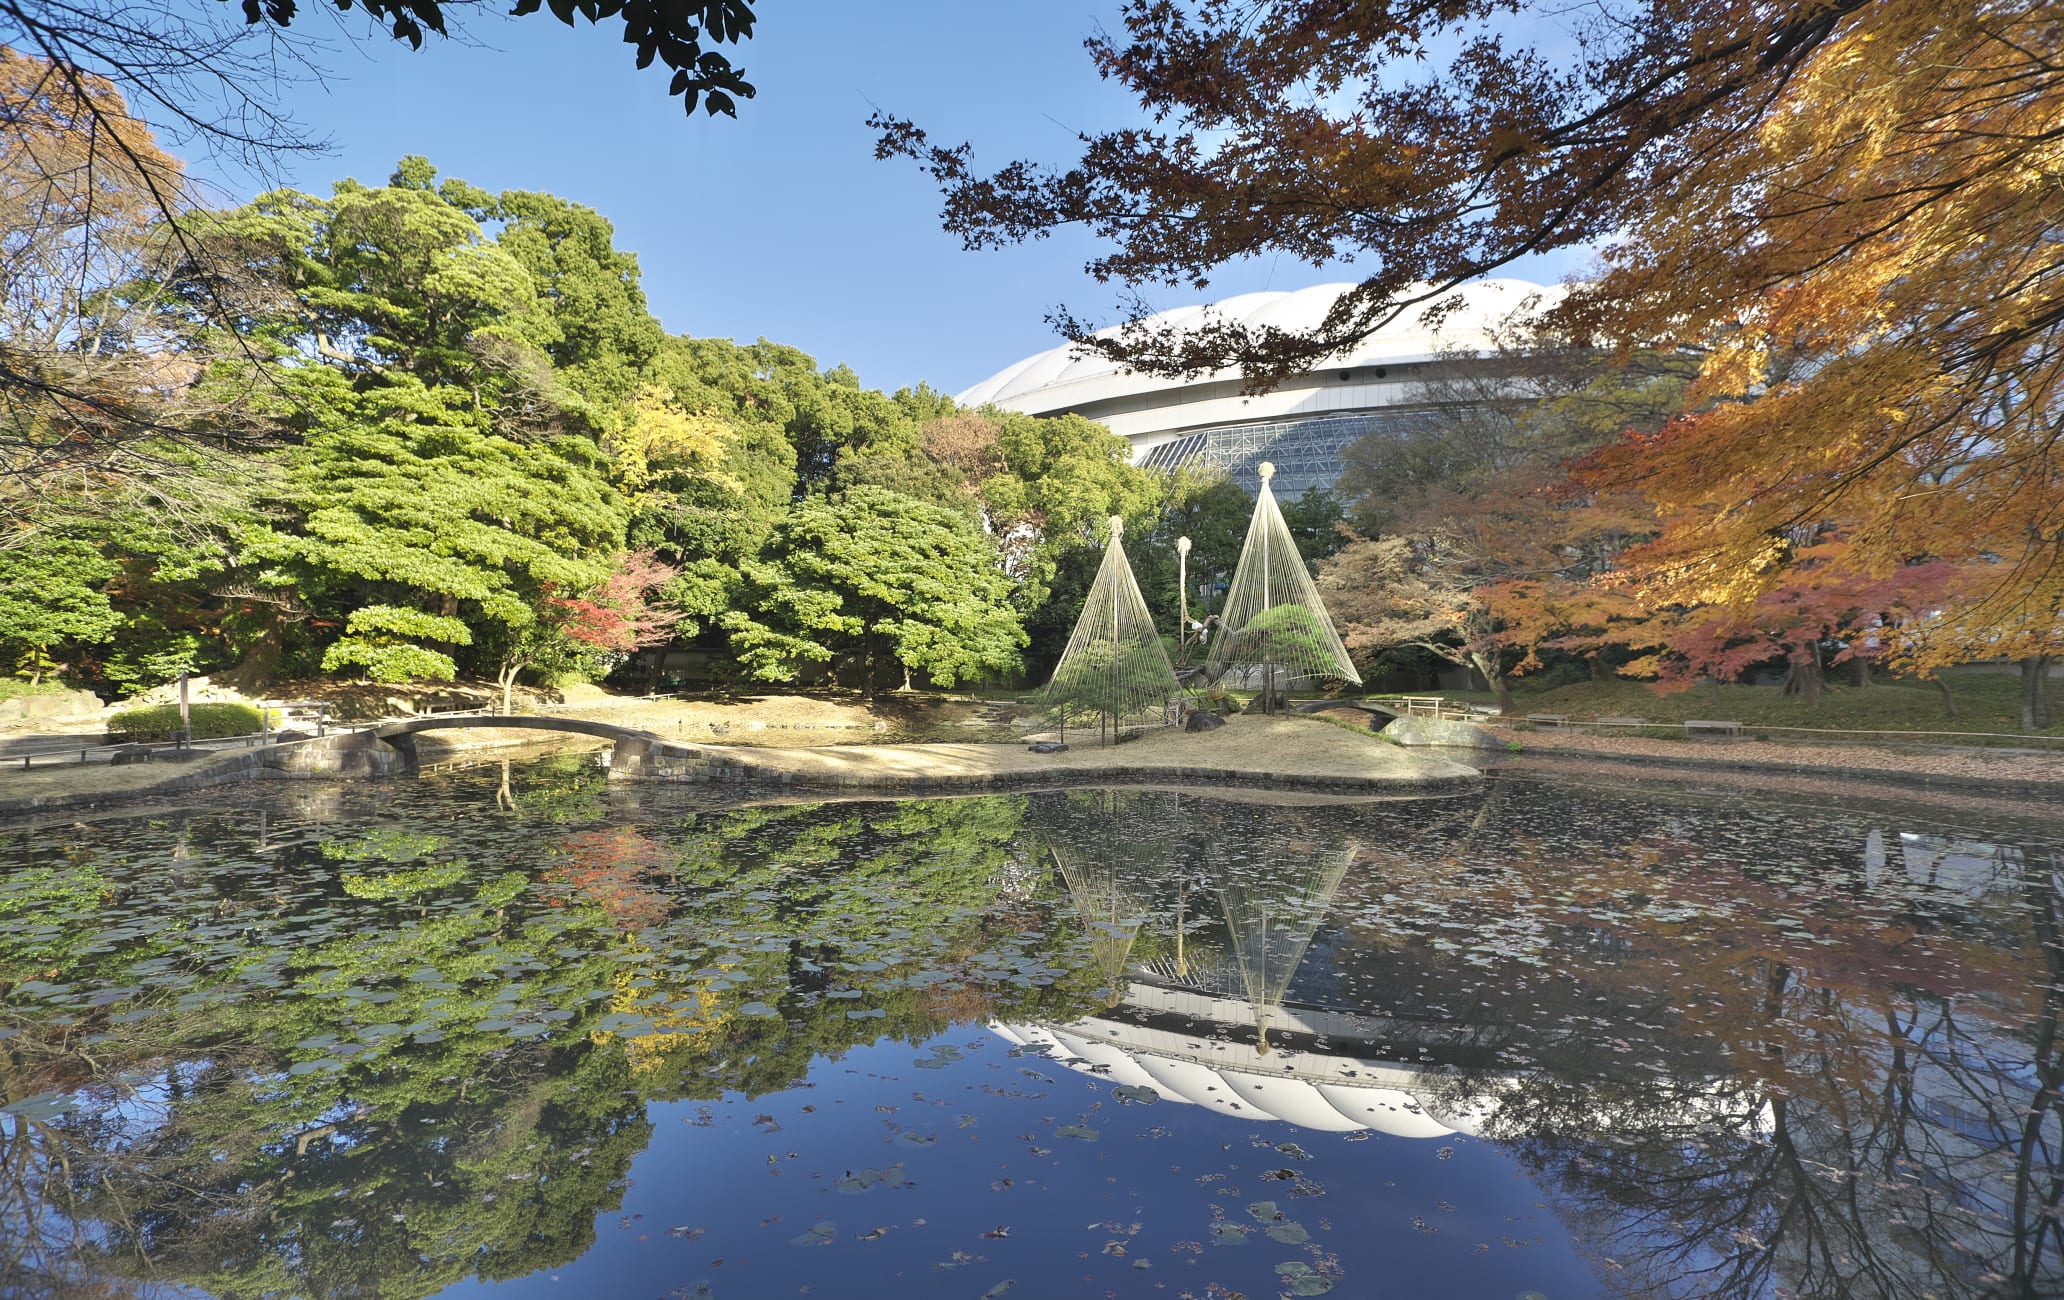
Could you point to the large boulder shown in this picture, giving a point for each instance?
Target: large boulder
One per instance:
(1202, 721)
(1414, 730)
(64, 704)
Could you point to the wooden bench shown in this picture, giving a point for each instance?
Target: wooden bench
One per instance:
(1622, 722)
(1710, 727)
(1548, 719)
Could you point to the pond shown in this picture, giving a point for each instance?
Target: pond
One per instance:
(519, 1032)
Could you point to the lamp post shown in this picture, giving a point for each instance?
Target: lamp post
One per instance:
(1182, 627)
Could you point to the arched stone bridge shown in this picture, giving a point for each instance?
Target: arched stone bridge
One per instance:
(391, 746)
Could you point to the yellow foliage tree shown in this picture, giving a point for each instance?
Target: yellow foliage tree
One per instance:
(661, 448)
(1877, 267)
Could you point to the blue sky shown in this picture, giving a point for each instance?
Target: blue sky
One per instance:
(779, 224)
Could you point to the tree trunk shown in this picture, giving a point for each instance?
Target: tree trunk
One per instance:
(507, 680)
(1949, 704)
(1601, 671)
(260, 663)
(1859, 672)
(1501, 689)
(2035, 705)
(1806, 678)
(658, 667)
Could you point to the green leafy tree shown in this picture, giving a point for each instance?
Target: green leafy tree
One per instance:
(599, 333)
(441, 483)
(51, 597)
(385, 641)
(403, 502)
(880, 578)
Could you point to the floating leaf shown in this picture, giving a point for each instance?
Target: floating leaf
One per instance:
(821, 1233)
(1302, 1280)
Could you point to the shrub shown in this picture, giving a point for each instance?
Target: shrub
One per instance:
(161, 722)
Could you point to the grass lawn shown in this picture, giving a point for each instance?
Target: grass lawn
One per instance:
(1986, 702)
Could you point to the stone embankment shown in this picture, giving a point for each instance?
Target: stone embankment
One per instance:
(57, 704)
(1276, 752)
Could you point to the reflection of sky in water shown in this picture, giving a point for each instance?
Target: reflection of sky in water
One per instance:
(1555, 1038)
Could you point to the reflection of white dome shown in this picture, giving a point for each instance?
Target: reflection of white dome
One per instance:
(1334, 1094)
(1378, 384)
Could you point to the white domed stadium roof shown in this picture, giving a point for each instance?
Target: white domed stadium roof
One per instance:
(1063, 378)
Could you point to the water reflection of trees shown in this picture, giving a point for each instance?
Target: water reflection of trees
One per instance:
(1744, 1053)
(1754, 1060)
(378, 1058)
(1749, 1052)
(1870, 1142)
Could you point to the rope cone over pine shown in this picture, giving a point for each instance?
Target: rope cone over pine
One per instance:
(1115, 669)
(1273, 617)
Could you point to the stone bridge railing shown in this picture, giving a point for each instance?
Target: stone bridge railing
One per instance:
(390, 747)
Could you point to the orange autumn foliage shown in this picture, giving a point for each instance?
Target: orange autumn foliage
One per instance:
(1878, 269)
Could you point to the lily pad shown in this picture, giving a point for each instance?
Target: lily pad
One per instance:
(1301, 1280)
(821, 1233)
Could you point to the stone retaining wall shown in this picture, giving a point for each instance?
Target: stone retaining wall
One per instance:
(62, 704)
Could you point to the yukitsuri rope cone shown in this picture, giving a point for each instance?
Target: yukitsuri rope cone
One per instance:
(1104, 843)
(1273, 618)
(1115, 668)
(1271, 915)
(1109, 913)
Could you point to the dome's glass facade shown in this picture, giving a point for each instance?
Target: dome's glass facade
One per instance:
(1303, 426)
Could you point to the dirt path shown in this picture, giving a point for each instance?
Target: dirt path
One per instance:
(1922, 762)
(1291, 751)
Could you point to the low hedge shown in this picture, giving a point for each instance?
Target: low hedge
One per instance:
(159, 722)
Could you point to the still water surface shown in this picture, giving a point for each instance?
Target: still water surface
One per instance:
(544, 1037)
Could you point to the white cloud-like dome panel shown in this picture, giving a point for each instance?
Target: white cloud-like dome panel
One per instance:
(1060, 378)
